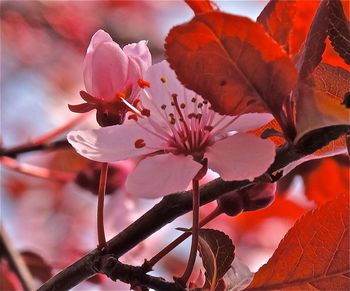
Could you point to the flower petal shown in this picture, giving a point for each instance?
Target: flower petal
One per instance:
(113, 143)
(161, 175)
(243, 123)
(99, 37)
(140, 53)
(160, 91)
(105, 67)
(241, 156)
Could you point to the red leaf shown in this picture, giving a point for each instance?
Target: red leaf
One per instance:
(339, 30)
(314, 255)
(288, 22)
(201, 6)
(319, 100)
(233, 63)
(217, 252)
(272, 126)
(314, 46)
(280, 208)
(277, 18)
(328, 180)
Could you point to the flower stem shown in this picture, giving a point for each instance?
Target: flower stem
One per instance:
(154, 260)
(195, 233)
(100, 205)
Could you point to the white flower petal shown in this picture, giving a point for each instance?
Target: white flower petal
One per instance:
(243, 123)
(161, 175)
(241, 156)
(113, 143)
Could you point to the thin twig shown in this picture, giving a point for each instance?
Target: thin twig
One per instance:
(15, 260)
(28, 147)
(43, 142)
(37, 171)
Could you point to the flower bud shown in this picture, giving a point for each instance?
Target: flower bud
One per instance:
(251, 198)
(260, 196)
(109, 72)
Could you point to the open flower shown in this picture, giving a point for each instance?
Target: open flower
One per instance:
(110, 76)
(178, 134)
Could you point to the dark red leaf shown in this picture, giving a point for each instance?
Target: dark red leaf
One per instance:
(339, 30)
(314, 46)
(277, 18)
(288, 22)
(217, 252)
(319, 100)
(201, 6)
(233, 63)
(314, 255)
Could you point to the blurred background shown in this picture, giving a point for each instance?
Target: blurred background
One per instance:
(51, 219)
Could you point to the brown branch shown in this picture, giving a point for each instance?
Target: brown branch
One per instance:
(30, 147)
(135, 276)
(43, 142)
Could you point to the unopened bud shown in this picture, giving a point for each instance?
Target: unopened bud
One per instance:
(231, 203)
(251, 198)
(260, 196)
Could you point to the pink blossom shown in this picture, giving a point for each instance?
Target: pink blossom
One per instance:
(111, 75)
(178, 134)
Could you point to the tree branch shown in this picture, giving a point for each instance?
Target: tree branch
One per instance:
(30, 147)
(135, 276)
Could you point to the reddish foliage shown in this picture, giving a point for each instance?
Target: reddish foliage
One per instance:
(288, 22)
(201, 6)
(217, 252)
(339, 30)
(272, 126)
(319, 99)
(280, 208)
(327, 181)
(238, 68)
(310, 54)
(8, 279)
(323, 179)
(313, 255)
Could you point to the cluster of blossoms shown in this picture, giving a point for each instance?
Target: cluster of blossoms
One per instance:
(173, 131)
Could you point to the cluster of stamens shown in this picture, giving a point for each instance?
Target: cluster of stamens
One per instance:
(189, 126)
